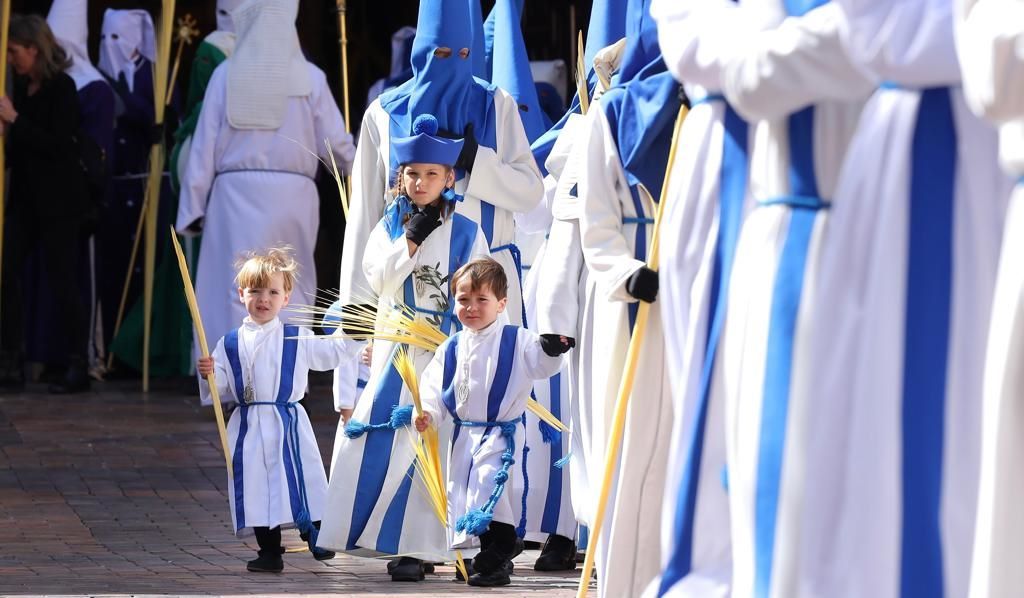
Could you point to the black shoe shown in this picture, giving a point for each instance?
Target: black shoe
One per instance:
(321, 554)
(406, 569)
(266, 563)
(75, 380)
(490, 580)
(559, 554)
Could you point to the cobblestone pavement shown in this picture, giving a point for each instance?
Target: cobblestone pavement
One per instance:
(116, 492)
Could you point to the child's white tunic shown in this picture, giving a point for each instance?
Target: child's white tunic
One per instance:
(991, 36)
(255, 189)
(629, 546)
(489, 380)
(376, 507)
(707, 202)
(273, 446)
(794, 83)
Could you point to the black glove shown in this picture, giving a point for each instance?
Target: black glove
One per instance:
(643, 284)
(421, 223)
(553, 345)
(469, 146)
(353, 318)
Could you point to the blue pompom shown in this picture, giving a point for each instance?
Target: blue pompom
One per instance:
(424, 124)
(355, 428)
(401, 416)
(474, 523)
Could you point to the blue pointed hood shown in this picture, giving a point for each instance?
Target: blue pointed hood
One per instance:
(489, 35)
(643, 108)
(512, 67)
(607, 26)
(479, 53)
(442, 86)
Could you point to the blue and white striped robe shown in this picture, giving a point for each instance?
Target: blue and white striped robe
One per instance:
(794, 83)
(276, 466)
(503, 363)
(374, 508)
(908, 277)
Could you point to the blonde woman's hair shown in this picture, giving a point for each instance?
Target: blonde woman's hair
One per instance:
(256, 269)
(31, 31)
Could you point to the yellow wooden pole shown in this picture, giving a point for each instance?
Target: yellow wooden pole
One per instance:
(628, 374)
(157, 159)
(5, 24)
(193, 306)
(345, 102)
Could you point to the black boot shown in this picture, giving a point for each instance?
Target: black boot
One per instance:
(406, 569)
(559, 554)
(320, 554)
(268, 559)
(75, 380)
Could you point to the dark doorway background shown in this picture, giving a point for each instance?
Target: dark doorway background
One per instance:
(549, 27)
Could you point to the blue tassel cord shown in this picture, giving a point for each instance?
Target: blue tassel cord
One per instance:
(401, 416)
(549, 433)
(476, 521)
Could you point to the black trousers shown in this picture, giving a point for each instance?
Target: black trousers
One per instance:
(57, 241)
(497, 545)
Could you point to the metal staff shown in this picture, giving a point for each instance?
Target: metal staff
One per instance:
(185, 33)
(343, 40)
(628, 373)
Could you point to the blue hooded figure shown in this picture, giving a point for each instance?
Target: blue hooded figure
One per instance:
(511, 65)
(376, 509)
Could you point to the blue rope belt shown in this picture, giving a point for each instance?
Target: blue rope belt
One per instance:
(807, 202)
(476, 521)
(633, 220)
(401, 416)
(517, 257)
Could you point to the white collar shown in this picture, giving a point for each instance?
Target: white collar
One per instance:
(249, 324)
(486, 331)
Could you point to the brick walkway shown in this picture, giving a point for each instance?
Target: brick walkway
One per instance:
(116, 492)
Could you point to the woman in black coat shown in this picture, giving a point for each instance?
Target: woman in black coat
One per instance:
(48, 201)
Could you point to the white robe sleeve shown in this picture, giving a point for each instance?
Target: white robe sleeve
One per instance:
(558, 302)
(366, 207)
(695, 35)
(507, 176)
(345, 388)
(430, 386)
(328, 124)
(325, 353)
(990, 36)
(387, 263)
(607, 252)
(220, 377)
(537, 364)
(774, 73)
(906, 41)
(202, 165)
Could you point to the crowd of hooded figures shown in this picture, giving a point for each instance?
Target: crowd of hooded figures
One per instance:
(824, 399)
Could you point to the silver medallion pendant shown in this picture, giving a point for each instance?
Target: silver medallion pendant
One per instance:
(248, 395)
(463, 392)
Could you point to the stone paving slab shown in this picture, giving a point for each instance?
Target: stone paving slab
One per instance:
(115, 493)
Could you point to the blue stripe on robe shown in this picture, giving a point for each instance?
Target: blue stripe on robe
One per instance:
(553, 501)
(926, 342)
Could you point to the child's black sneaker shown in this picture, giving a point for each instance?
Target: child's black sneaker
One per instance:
(490, 580)
(321, 554)
(266, 563)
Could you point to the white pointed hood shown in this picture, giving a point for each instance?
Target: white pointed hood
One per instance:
(267, 67)
(124, 33)
(68, 19)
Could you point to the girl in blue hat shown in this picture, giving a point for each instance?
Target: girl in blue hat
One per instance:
(408, 259)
